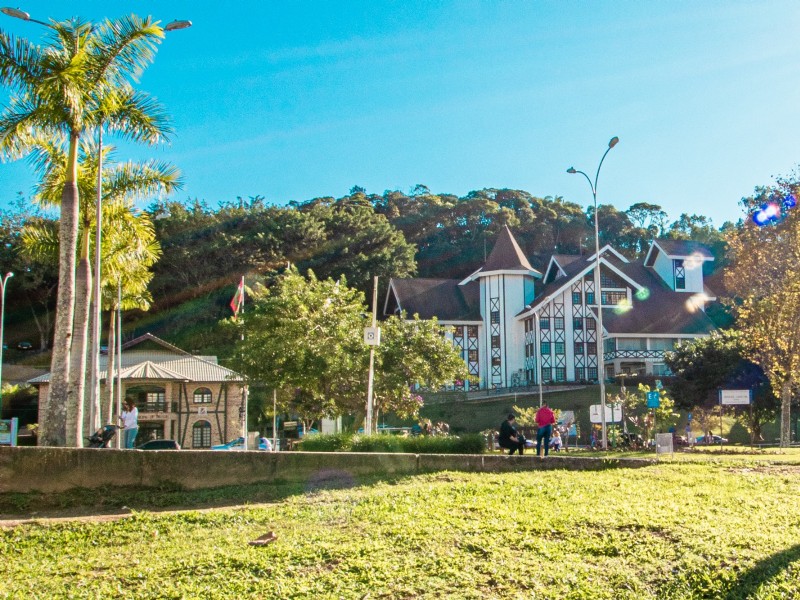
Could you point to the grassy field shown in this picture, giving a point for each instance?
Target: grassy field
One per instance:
(711, 529)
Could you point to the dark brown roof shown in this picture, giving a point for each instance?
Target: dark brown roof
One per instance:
(683, 248)
(656, 308)
(444, 299)
(507, 255)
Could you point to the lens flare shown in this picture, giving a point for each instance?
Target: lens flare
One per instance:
(696, 302)
(693, 261)
(623, 306)
(769, 212)
(643, 294)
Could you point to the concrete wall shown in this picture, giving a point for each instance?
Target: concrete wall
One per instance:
(59, 469)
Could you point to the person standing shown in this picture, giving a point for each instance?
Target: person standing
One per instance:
(130, 423)
(509, 438)
(545, 419)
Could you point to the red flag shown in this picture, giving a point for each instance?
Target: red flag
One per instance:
(238, 299)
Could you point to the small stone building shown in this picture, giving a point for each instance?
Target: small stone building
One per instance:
(188, 398)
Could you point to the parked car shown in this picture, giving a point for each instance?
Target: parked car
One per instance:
(24, 346)
(715, 439)
(237, 444)
(159, 445)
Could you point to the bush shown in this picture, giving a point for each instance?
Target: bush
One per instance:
(472, 443)
(333, 442)
(345, 442)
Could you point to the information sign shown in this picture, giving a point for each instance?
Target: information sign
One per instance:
(653, 400)
(613, 413)
(735, 396)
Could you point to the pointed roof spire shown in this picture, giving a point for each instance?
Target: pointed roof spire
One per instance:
(507, 255)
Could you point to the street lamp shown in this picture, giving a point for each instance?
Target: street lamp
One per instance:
(598, 293)
(2, 320)
(21, 14)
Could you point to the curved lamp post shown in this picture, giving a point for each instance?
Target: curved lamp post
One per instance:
(2, 320)
(597, 291)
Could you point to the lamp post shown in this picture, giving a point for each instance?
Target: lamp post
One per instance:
(598, 293)
(2, 320)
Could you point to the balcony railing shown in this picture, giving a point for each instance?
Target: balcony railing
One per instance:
(651, 354)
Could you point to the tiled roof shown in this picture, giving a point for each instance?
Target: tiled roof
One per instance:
(677, 249)
(163, 364)
(440, 298)
(661, 310)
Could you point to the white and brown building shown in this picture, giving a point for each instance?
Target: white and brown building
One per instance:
(191, 399)
(500, 313)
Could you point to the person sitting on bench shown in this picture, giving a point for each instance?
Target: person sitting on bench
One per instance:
(509, 438)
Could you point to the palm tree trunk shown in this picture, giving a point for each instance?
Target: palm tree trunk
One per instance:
(80, 336)
(53, 428)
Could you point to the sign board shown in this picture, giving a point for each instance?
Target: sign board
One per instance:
(613, 413)
(734, 396)
(664, 443)
(289, 425)
(653, 400)
(8, 432)
(372, 336)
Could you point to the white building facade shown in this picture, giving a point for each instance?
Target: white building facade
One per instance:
(516, 325)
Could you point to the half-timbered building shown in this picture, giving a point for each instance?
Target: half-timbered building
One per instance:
(516, 324)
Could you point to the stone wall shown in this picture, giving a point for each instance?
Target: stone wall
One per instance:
(59, 469)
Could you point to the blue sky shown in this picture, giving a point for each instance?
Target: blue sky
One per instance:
(294, 100)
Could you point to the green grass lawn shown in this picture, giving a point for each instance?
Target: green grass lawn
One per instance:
(673, 530)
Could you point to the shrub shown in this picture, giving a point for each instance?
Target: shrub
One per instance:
(345, 442)
(472, 443)
(327, 442)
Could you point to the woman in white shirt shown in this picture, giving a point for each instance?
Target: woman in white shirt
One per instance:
(130, 423)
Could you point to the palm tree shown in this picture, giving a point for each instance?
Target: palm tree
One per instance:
(131, 235)
(79, 82)
(121, 184)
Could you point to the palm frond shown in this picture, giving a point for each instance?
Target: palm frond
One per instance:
(39, 241)
(20, 62)
(139, 117)
(122, 48)
(131, 179)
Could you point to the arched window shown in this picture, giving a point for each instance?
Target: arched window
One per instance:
(201, 435)
(202, 396)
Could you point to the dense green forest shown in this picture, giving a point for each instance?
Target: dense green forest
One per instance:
(205, 250)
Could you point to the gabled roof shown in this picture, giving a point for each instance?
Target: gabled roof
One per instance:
(579, 268)
(149, 370)
(156, 341)
(677, 249)
(444, 299)
(559, 261)
(606, 250)
(655, 308)
(161, 361)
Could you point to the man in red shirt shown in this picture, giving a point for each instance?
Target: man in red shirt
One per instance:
(545, 419)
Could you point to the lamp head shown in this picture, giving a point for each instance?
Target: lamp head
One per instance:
(175, 25)
(613, 142)
(571, 170)
(16, 13)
